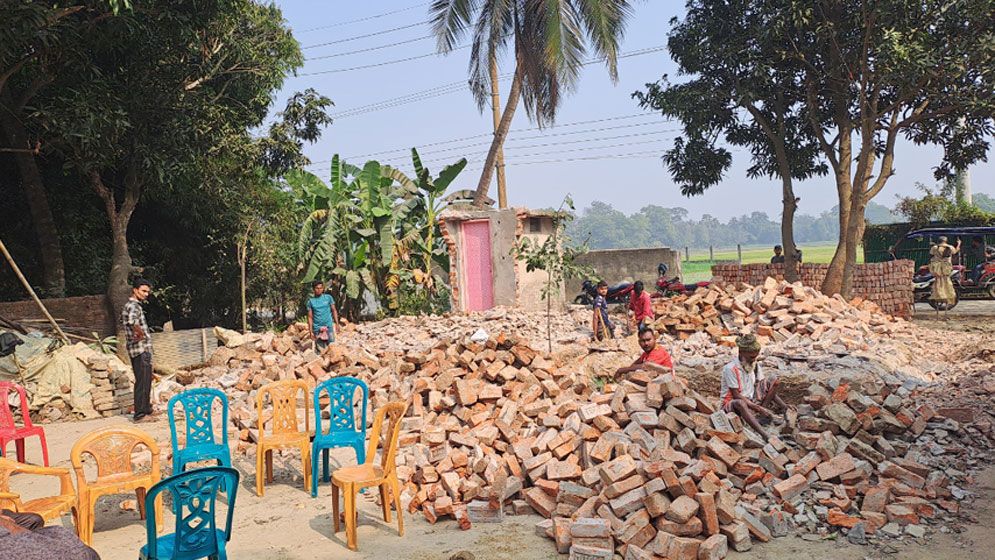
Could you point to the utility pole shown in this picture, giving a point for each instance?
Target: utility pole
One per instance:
(496, 113)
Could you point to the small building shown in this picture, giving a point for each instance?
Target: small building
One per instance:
(483, 271)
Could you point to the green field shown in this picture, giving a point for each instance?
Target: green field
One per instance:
(700, 267)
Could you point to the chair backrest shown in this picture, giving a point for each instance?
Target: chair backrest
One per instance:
(283, 395)
(387, 422)
(111, 448)
(342, 404)
(6, 414)
(198, 413)
(195, 495)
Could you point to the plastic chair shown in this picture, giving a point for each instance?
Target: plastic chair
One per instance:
(111, 448)
(369, 474)
(202, 444)
(8, 427)
(342, 428)
(285, 433)
(196, 535)
(51, 507)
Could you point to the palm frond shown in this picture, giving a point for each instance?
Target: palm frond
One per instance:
(450, 19)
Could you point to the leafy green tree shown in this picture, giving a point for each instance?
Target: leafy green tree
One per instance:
(548, 43)
(984, 202)
(739, 92)
(162, 100)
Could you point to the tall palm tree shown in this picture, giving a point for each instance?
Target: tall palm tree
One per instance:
(549, 39)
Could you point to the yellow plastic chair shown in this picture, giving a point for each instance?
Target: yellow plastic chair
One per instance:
(50, 507)
(284, 432)
(383, 475)
(111, 448)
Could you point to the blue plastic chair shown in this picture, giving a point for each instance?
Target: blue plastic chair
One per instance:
(342, 429)
(202, 444)
(195, 496)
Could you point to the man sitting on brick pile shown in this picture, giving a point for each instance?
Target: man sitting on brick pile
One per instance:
(745, 388)
(654, 358)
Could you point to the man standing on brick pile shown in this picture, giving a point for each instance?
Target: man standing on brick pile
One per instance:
(745, 388)
(138, 340)
(322, 316)
(654, 357)
(640, 307)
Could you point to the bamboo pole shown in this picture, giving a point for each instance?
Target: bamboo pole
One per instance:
(31, 292)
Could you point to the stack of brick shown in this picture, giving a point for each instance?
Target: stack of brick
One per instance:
(113, 385)
(776, 312)
(888, 284)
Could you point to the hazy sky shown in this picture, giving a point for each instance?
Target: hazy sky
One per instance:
(615, 159)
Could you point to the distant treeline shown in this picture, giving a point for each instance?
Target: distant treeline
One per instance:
(604, 227)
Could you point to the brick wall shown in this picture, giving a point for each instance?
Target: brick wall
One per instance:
(888, 284)
(92, 313)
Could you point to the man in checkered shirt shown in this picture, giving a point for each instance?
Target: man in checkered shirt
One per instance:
(138, 340)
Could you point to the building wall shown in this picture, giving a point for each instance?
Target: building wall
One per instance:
(888, 284)
(627, 265)
(531, 284)
(91, 313)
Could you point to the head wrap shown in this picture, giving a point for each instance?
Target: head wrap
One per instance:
(748, 342)
(943, 239)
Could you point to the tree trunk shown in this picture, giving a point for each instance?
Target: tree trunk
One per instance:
(53, 281)
(790, 204)
(118, 287)
(496, 114)
(854, 232)
(499, 136)
(833, 283)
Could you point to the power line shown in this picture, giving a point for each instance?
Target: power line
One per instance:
(370, 49)
(367, 18)
(367, 35)
(378, 64)
(453, 87)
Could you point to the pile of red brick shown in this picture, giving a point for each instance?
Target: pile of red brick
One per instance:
(776, 312)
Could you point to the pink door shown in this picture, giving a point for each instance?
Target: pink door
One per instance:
(477, 271)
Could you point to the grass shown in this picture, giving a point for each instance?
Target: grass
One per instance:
(700, 267)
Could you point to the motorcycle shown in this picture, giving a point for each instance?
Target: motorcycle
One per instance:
(964, 286)
(619, 293)
(671, 287)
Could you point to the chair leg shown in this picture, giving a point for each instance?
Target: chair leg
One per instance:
(326, 476)
(335, 508)
(349, 491)
(140, 495)
(314, 475)
(395, 488)
(306, 460)
(260, 473)
(19, 446)
(384, 504)
(269, 465)
(360, 452)
(44, 448)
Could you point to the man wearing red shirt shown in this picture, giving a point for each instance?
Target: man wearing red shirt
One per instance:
(641, 306)
(654, 357)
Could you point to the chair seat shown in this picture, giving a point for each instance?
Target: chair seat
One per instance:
(165, 545)
(203, 452)
(18, 433)
(50, 508)
(122, 482)
(361, 475)
(285, 440)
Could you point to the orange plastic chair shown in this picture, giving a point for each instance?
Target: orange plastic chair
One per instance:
(284, 431)
(51, 507)
(111, 448)
(384, 475)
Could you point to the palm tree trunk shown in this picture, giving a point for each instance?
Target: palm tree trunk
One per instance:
(499, 136)
(496, 113)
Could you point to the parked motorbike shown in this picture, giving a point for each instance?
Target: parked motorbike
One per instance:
(673, 286)
(964, 286)
(619, 293)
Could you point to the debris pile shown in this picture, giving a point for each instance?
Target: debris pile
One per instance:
(113, 382)
(775, 312)
(645, 466)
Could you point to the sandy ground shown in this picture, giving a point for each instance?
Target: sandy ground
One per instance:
(287, 524)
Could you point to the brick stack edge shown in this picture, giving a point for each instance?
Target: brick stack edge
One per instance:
(888, 284)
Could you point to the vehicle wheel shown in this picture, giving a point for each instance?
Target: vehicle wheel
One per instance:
(582, 300)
